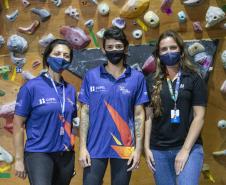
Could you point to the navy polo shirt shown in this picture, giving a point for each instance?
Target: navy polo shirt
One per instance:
(38, 102)
(192, 92)
(111, 103)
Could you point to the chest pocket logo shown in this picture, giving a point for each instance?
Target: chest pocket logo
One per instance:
(42, 101)
(92, 88)
(97, 89)
(124, 90)
(47, 101)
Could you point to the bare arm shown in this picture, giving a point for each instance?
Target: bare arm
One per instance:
(139, 126)
(139, 115)
(18, 139)
(148, 126)
(84, 157)
(193, 134)
(84, 125)
(195, 128)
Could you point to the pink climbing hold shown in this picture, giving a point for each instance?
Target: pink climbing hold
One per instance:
(75, 36)
(149, 65)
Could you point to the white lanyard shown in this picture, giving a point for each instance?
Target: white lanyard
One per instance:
(62, 104)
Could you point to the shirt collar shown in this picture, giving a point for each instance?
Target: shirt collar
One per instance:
(185, 73)
(61, 83)
(104, 71)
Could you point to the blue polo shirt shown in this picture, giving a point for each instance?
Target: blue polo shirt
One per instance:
(37, 100)
(111, 103)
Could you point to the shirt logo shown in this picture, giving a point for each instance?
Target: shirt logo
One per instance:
(42, 101)
(47, 100)
(70, 101)
(19, 103)
(92, 88)
(181, 86)
(100, 88)
(124, 90)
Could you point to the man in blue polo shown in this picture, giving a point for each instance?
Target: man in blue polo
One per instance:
(112, 115)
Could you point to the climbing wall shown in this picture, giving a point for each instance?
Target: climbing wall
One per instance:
(10, 80)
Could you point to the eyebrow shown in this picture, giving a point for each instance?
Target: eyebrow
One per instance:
(113, 44)
(60, 52)
(169, 46)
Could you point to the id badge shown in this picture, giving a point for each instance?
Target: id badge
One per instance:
(175, 116)
(61, 131)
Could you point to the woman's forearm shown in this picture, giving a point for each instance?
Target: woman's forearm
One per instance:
(195, 128)
(18, 137)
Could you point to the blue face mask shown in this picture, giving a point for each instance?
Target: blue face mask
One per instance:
(170, 59)
(58, 64)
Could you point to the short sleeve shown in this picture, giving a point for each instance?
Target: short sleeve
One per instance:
(23, 102)
(84, 94)
(141, 93)
(199, 92)
(149, 88)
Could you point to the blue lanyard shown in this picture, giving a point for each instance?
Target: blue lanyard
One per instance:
(62, 103)
(174, 96)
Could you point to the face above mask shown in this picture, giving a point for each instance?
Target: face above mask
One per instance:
(115, 56)
(58, 64)
(170, 59)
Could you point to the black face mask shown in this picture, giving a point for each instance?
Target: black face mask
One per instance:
(115, 56)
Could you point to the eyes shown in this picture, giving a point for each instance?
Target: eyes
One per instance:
(170, 48)
(66, 56)
(116, 46)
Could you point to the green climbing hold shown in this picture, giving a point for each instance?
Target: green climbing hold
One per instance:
(152, 42)
(224, 8)
(2, 93)
(5, 76)
(5, 175)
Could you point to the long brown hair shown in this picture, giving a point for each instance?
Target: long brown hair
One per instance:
(160, 76)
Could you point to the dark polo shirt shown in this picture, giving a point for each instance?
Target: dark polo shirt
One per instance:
(192, 92)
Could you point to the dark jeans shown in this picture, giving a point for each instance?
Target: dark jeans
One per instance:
(49, 168)
(93, 175)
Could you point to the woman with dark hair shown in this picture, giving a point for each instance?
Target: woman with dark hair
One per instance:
(46, 106)
(112, 115)
(173, 145)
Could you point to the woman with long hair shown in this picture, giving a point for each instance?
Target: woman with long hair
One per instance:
(173, 146)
